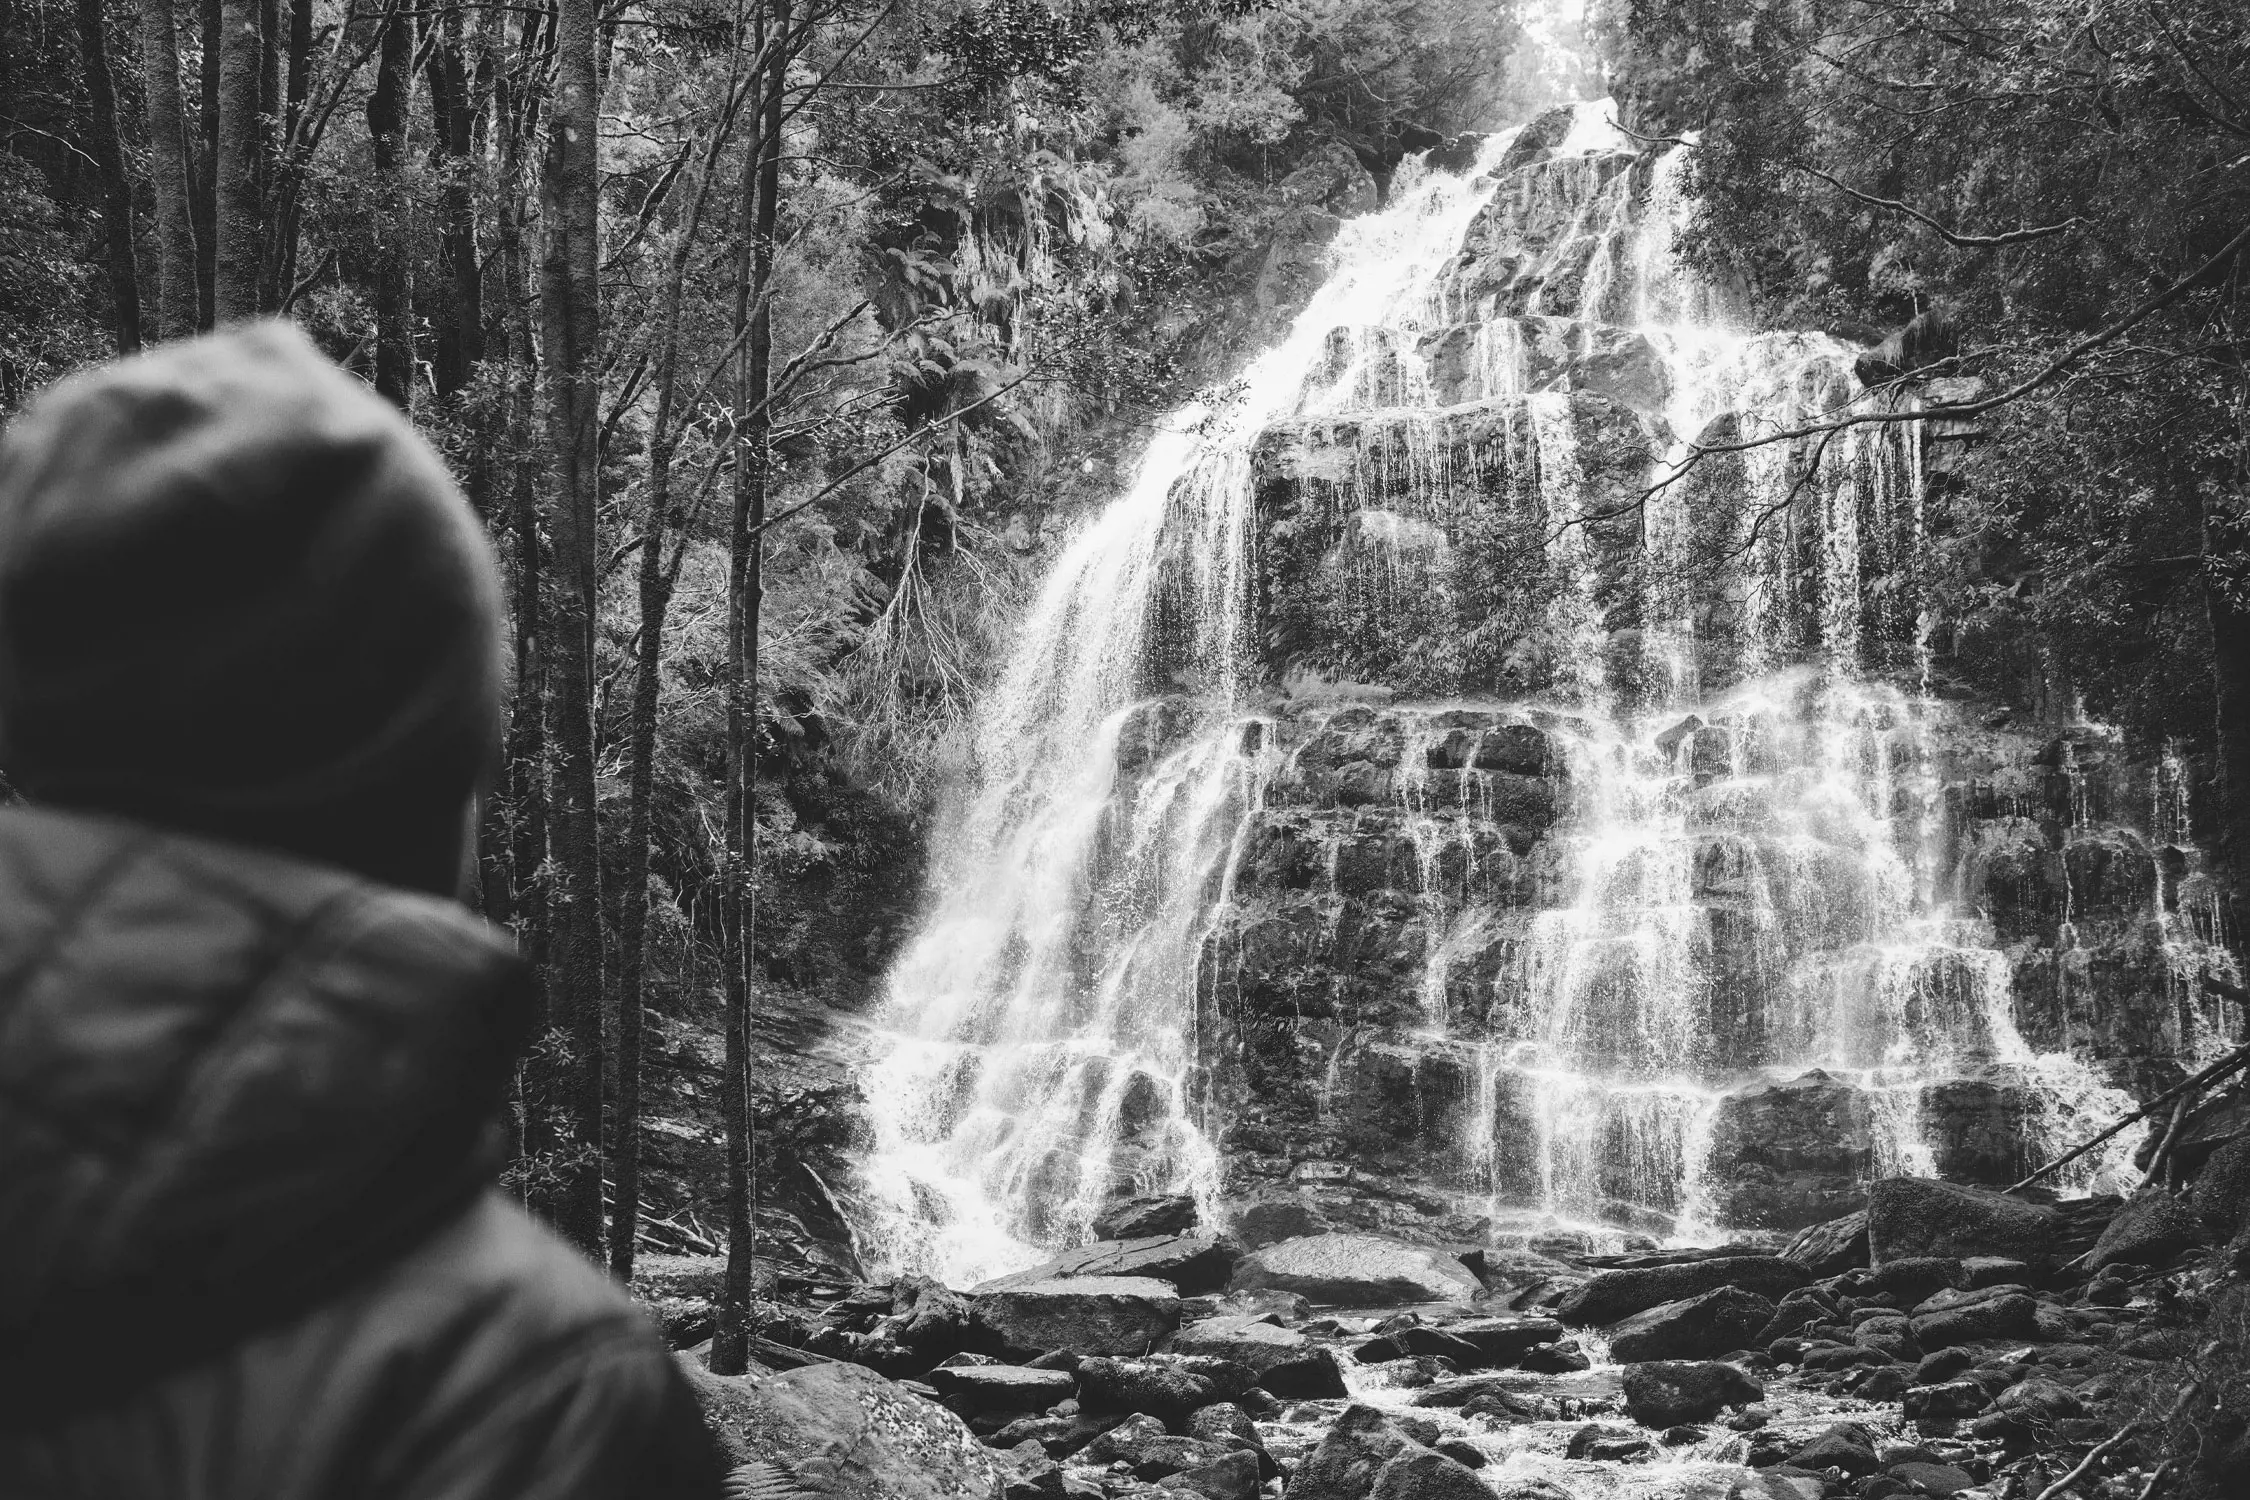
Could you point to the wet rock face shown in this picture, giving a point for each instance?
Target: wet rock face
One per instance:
(1793, 1153)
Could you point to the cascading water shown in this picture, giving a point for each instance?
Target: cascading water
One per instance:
(1421, 713)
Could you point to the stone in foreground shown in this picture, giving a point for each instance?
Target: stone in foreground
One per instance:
(1350, 1457)
(852, 1435)
(1723, 1319)
(1286, 1363)
(1082, 1315)
(1665, 1393)
(1356, 1270)
(2148, 1231)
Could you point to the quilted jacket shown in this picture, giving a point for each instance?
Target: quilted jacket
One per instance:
(249, 1247)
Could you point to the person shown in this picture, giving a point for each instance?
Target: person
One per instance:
(254, 1054)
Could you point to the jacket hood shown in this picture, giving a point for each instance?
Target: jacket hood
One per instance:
(231, 1083)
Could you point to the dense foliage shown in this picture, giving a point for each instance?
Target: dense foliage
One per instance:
(2064, 184)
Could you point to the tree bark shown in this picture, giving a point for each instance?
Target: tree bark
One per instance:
(117, 191)
(394, 287)
(745, 593)
(570, 315)
(209, 29)
(656, 584)
(238, 228)
(460, 325)
(177, 298)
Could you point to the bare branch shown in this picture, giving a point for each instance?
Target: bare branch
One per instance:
(1950, 236)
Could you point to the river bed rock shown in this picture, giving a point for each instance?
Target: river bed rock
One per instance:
(1356, 1270)
(1083, 1315)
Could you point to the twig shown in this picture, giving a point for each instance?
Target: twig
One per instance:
(2155, 1479)
(2087, 1463)
(1950, 236)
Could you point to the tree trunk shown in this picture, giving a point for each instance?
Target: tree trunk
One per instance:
(2226, 539)
(238, 227)
(210, 29)
(117, 192)
(176, 294)
(745, 591)
(656, 583)
(570, 315)
(460, 324)
(394, 287)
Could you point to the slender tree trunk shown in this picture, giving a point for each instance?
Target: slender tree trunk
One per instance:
(460, 325)
(745, 593)
(394, 287)
(238, 227)
(2226, 539)
(570, 315)
(209, 30)
(656, 583)
(176, 296)
(117, 191)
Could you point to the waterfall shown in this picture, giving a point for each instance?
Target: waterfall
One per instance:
(1426, 777)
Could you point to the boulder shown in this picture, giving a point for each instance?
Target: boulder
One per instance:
(1225, 1423)
(1796, 1312)
(849, 1434)
(1598, 1442)
(1232, 1476)
(1919, 1216)
(1421, 1474)
(1084, 1315)
(1947, 1320)
(1106, 1383)
(1001, 1387)
(1285, 1362)
(2221, 1196)
(1932, 1478)
(1356, 1270)
(1193, 1265)
(1832, 1248)
(1352, 1454)
(1788, 1154)
(1504, 1340)
(1847, 1446)
(1722, 1319)
(926, 1317)
(1610, 1295)
(1666, 1393)
(1143, 1446)
(1911, 1278)
(1059, 1436)
(2149, 1230)
(1141, 1218)
(1953, 1398)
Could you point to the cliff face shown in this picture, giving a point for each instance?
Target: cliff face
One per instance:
(1464, 791)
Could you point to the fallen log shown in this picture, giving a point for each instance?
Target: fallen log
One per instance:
(2203, 1080)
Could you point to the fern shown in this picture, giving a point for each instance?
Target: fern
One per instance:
(767, 1479)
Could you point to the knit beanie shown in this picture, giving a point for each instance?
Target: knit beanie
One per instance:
(240, 596)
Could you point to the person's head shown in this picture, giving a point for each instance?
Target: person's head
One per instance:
(241, 597)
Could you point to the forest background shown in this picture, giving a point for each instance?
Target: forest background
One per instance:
(776, 341)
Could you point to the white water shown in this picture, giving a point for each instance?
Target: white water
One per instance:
(1770, 892)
